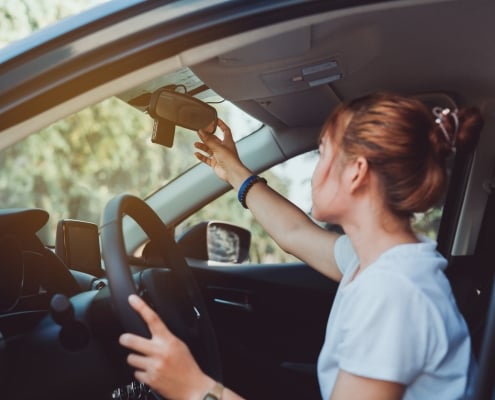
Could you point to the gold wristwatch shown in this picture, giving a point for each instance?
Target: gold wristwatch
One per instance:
(215, 393)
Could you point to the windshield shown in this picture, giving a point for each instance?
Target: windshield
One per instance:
(73, 167)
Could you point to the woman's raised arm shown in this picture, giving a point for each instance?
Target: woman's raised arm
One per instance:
(288, 225)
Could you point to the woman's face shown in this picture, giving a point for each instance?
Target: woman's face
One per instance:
(326, 183)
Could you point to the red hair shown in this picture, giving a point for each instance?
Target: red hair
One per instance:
(403, 145)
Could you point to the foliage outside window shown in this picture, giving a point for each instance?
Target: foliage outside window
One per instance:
(227, 208)
(73, 167)
(18, 18)
(292, 179)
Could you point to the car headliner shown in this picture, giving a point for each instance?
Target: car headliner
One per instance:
(434, 49)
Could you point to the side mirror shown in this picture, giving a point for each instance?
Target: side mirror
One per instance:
(169, 108)
(216, 241)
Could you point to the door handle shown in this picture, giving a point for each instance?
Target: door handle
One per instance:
(235, 304)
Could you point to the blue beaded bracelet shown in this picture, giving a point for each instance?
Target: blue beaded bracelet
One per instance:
(246, 185)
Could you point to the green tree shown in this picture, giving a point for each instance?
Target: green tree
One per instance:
(18, 18)
(74, 166)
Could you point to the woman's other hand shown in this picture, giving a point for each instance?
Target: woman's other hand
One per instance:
(163, 362)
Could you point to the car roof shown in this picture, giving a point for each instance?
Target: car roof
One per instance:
(404, 46)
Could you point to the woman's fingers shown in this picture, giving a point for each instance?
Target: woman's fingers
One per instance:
(227, 133)
(220, 154)
(213, 143)
(228, 140)
(163, 361)
(159, 331)
(141, 377)
(209, 139)
(225, 128)
(211, 128)
(137, 361)
(155, 324)
(203, 147)
(136, 343)
(201, 157)
(206, 158)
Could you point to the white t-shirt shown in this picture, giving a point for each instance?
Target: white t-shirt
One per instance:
(397, 321)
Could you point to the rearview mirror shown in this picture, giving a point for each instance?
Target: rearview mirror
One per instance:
(169, 108)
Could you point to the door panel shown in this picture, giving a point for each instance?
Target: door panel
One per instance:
(270, 322)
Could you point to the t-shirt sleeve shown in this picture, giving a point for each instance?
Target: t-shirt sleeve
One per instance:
(385, 329)
(345, 256)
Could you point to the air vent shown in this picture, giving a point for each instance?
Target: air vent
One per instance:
(303, 77)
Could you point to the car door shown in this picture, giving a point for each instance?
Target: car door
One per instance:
(270, 323)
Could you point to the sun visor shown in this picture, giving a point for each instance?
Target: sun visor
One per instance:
(19, 220)
(302, 108)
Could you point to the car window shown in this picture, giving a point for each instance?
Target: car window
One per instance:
(227, 208)
(73, 167)
(292, 179)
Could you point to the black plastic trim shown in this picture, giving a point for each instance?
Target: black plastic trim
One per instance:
(453, 205)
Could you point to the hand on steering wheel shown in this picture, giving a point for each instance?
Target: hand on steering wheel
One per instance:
(163, 361)
(176, 299)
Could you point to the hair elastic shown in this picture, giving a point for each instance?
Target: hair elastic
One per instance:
(441, 114)
(246, 186)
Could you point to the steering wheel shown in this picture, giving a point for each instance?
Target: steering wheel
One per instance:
(171, 291)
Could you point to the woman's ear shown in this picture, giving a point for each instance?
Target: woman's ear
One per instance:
(358, 174)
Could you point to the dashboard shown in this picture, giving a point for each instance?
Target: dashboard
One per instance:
(11, 272)
(42, 332)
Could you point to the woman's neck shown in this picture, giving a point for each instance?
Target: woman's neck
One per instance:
(372, 237)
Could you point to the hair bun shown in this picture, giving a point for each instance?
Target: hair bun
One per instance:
(406, 143)
(470, 125)
(455, 130)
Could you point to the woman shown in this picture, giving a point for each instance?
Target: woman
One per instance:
(394, 330)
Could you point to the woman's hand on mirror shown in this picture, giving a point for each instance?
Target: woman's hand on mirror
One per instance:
(221, 154)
